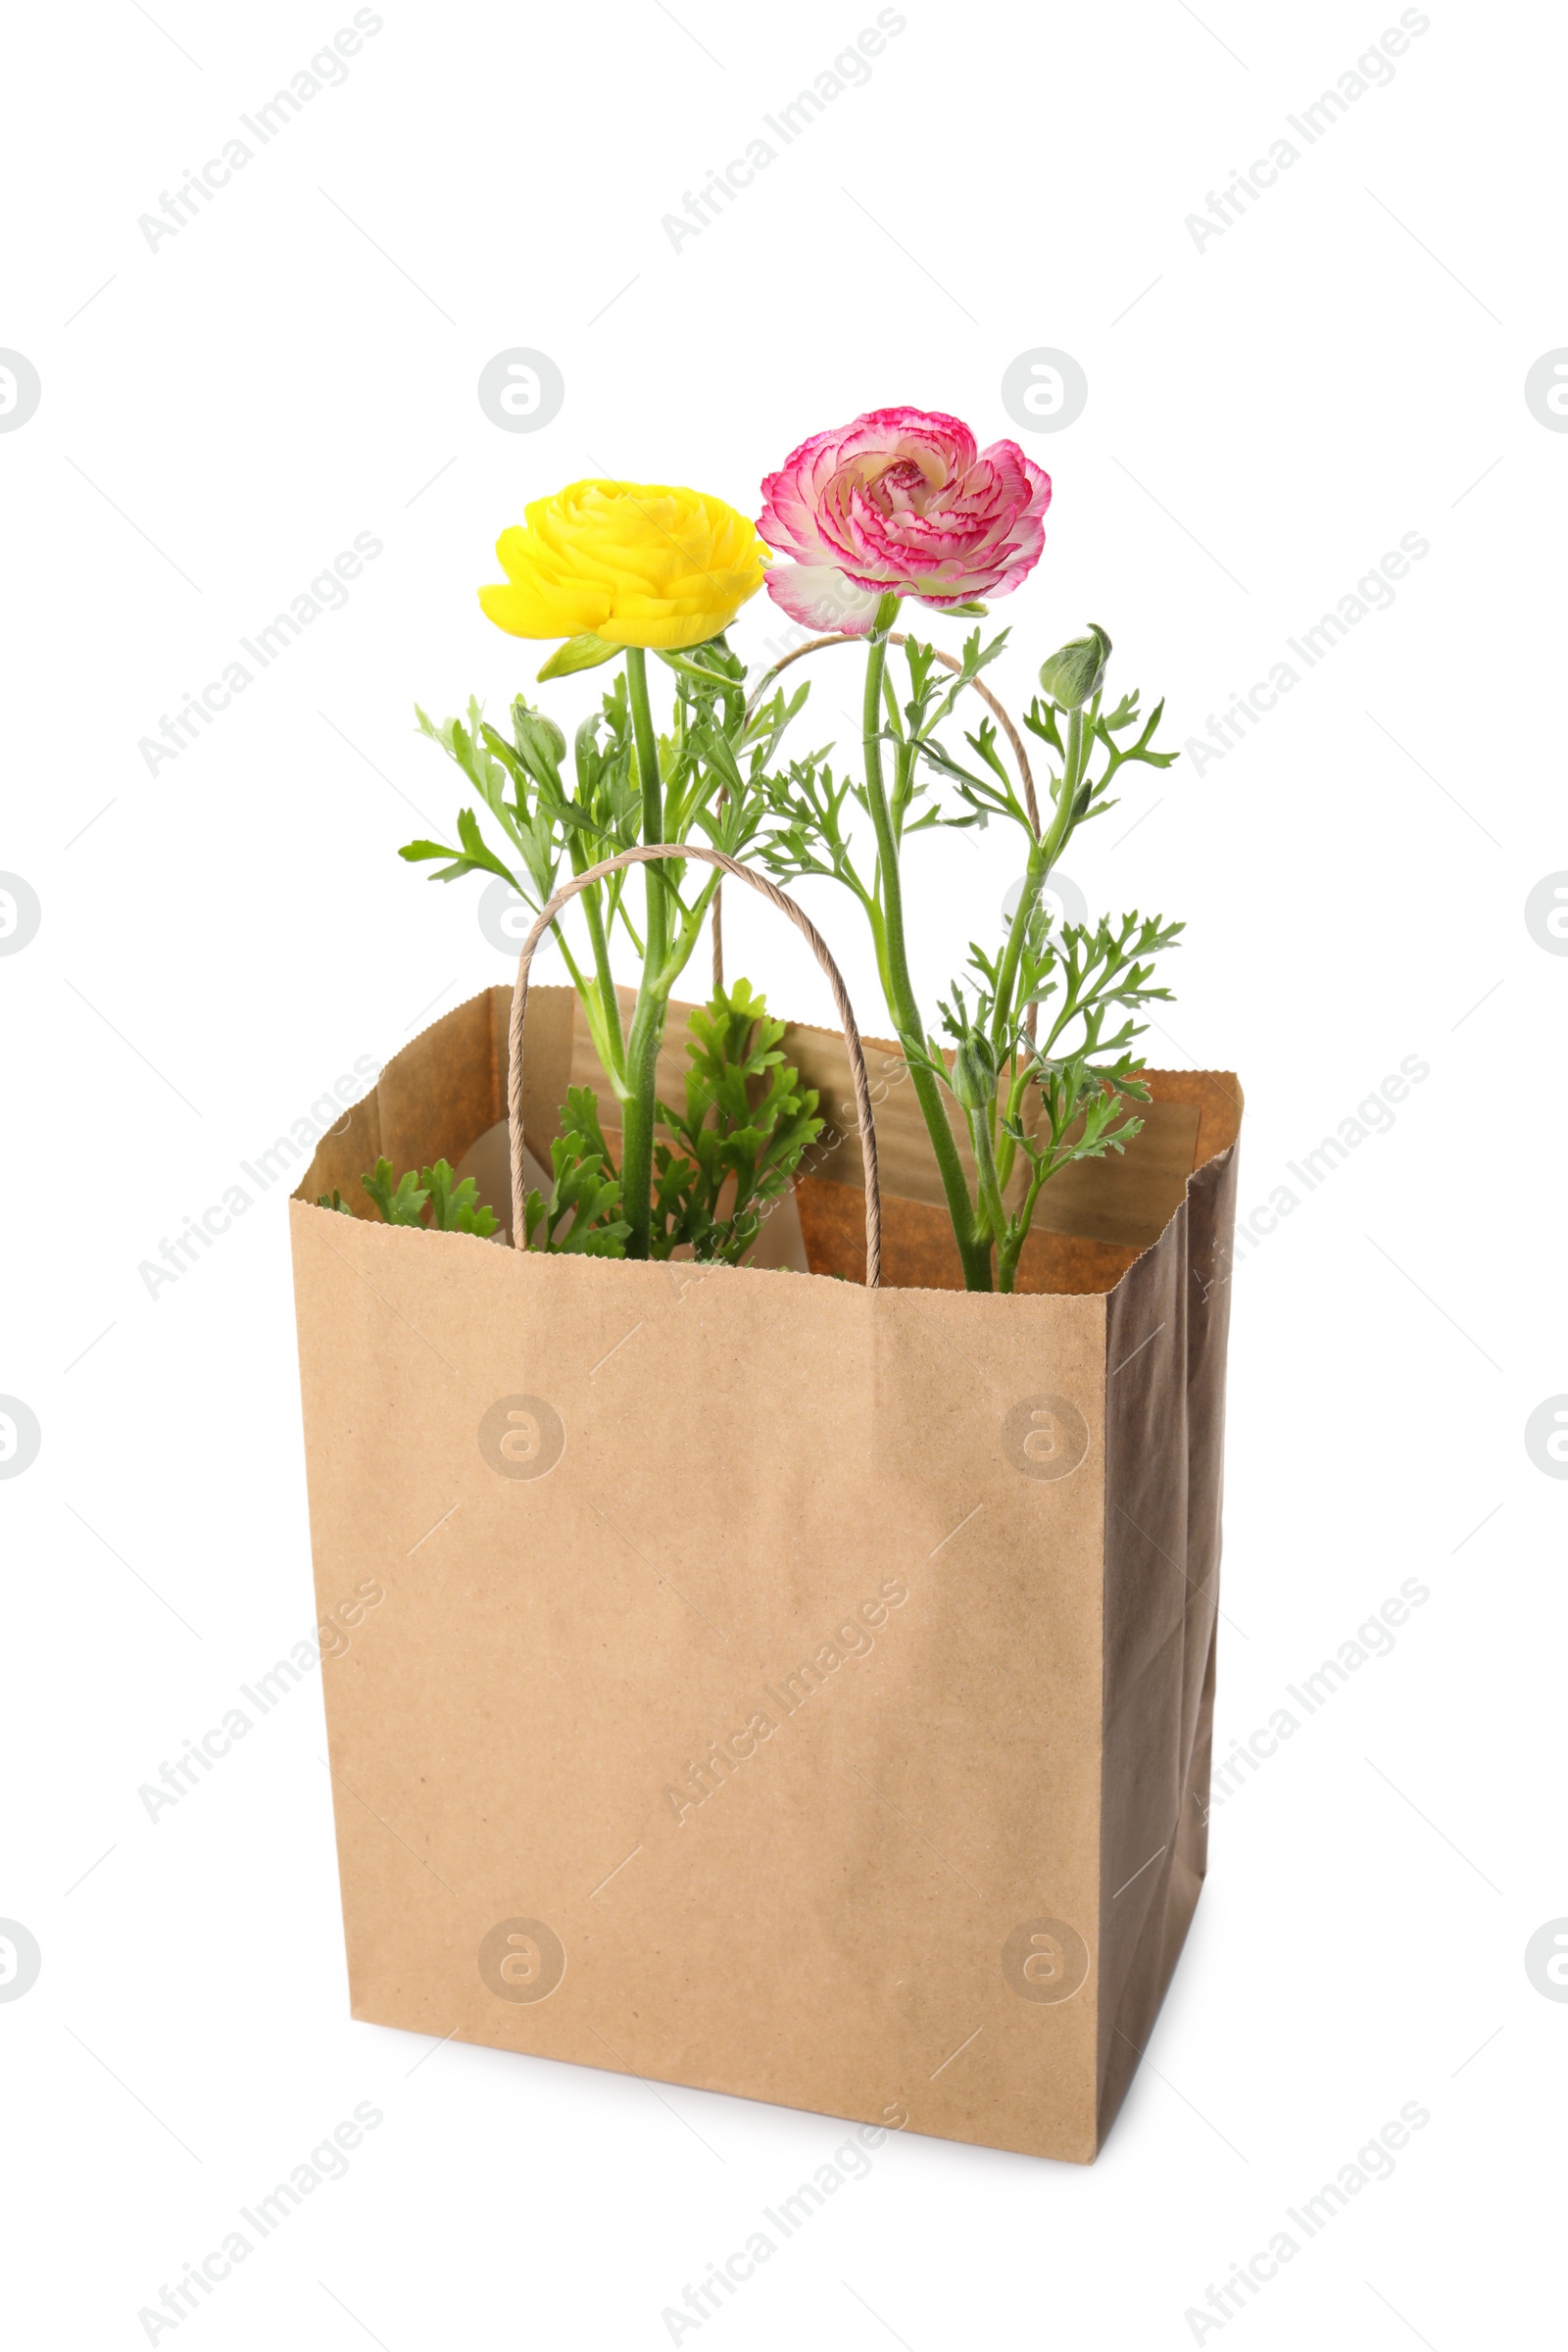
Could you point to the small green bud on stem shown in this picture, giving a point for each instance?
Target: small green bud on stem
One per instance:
(974, 1072)
(1074, 674)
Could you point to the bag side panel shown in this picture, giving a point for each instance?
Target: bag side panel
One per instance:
(1167, 1326)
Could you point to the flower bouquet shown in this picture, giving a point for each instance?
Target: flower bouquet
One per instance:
(785, 1678)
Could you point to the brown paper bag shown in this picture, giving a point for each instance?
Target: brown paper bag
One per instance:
(758, 1681)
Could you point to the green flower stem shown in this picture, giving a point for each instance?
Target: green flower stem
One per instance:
(991, 1211)
(648, 775)
(690, 930)
(579, 979)
(1012, 1118)
(1010, 1249)
(639, 1113)
(598, 997)
(974, 1253)
(640, 1103)
(1033, 882)
(1043, 856)
(638, 1117)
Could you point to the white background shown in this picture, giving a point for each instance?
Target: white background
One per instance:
(1266, 416)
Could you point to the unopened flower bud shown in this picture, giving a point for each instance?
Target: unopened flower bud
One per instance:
(974, 1072)
(1076, 671)
(542, 728)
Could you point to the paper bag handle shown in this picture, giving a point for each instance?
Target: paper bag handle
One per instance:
(647, 853)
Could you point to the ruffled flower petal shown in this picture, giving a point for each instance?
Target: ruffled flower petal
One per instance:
(636, 562)
(902, 499)
(818, 595)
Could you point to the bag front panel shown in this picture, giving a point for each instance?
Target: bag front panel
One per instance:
(733, 1706)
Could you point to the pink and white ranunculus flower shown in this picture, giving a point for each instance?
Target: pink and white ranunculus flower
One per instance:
(901, 499)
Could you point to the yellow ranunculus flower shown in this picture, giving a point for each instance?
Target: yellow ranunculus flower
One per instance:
(633, 563)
